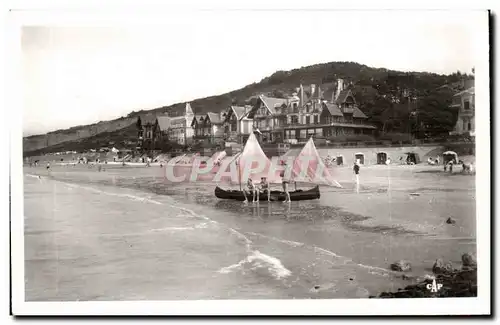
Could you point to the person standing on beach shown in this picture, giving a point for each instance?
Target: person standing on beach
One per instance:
(450, 163)
(285, 181)
(356, 172)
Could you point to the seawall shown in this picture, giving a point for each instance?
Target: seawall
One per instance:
(370, 154)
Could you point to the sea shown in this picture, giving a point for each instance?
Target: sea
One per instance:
(125, 233)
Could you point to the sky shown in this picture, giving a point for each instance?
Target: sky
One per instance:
(75, 74)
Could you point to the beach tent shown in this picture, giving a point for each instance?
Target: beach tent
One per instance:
(412, 158)
(309, 167)
(381, 158)
(450, 156)
(114, 150)
(340, 160)
(359, 157)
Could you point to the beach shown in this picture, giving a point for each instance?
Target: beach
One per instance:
(126, 233)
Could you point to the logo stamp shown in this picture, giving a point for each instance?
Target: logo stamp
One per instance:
(434, 287)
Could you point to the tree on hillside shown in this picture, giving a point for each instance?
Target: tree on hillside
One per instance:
(138, 124)
(434, 116)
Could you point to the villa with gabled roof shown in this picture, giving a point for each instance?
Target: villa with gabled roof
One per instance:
(307, 112)
(180, 130)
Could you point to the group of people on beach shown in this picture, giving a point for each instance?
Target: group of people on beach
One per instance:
(256, 189)
(466, 167)
(432, 161)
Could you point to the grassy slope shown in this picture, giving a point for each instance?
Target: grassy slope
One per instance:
(283, 81)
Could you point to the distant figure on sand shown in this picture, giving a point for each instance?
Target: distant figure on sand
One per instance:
(466, 168)
(48, 166)
(450, 164)
(355, 169)
(264, 187)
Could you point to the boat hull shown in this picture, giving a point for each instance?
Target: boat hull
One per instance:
(298, 195)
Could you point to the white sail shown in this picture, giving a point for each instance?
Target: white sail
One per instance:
(309, 167)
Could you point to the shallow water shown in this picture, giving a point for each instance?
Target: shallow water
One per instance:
(126, 234)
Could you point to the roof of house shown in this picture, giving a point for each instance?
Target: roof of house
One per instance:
(334, 109)
(163, 122)
(329, 93)
(198, 118)
(466, 91)
(214, 118)
(357, 113)
(188, 110)
(343, 95)
(272, 103)
(178, 121)
(239, 111)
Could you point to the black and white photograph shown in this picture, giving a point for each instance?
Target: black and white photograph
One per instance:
(250, 162)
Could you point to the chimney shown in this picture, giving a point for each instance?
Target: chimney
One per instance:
(340, 87)
(301, 95)
(313, 88)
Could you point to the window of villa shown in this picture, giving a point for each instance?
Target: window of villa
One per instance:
(469, 126)
(316, 119)
(466, 105)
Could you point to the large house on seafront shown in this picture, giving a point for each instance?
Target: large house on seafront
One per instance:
(236, 123)
(306, 113)
(180, 130)
(152, 131)
(208, 127)
(465, 102)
